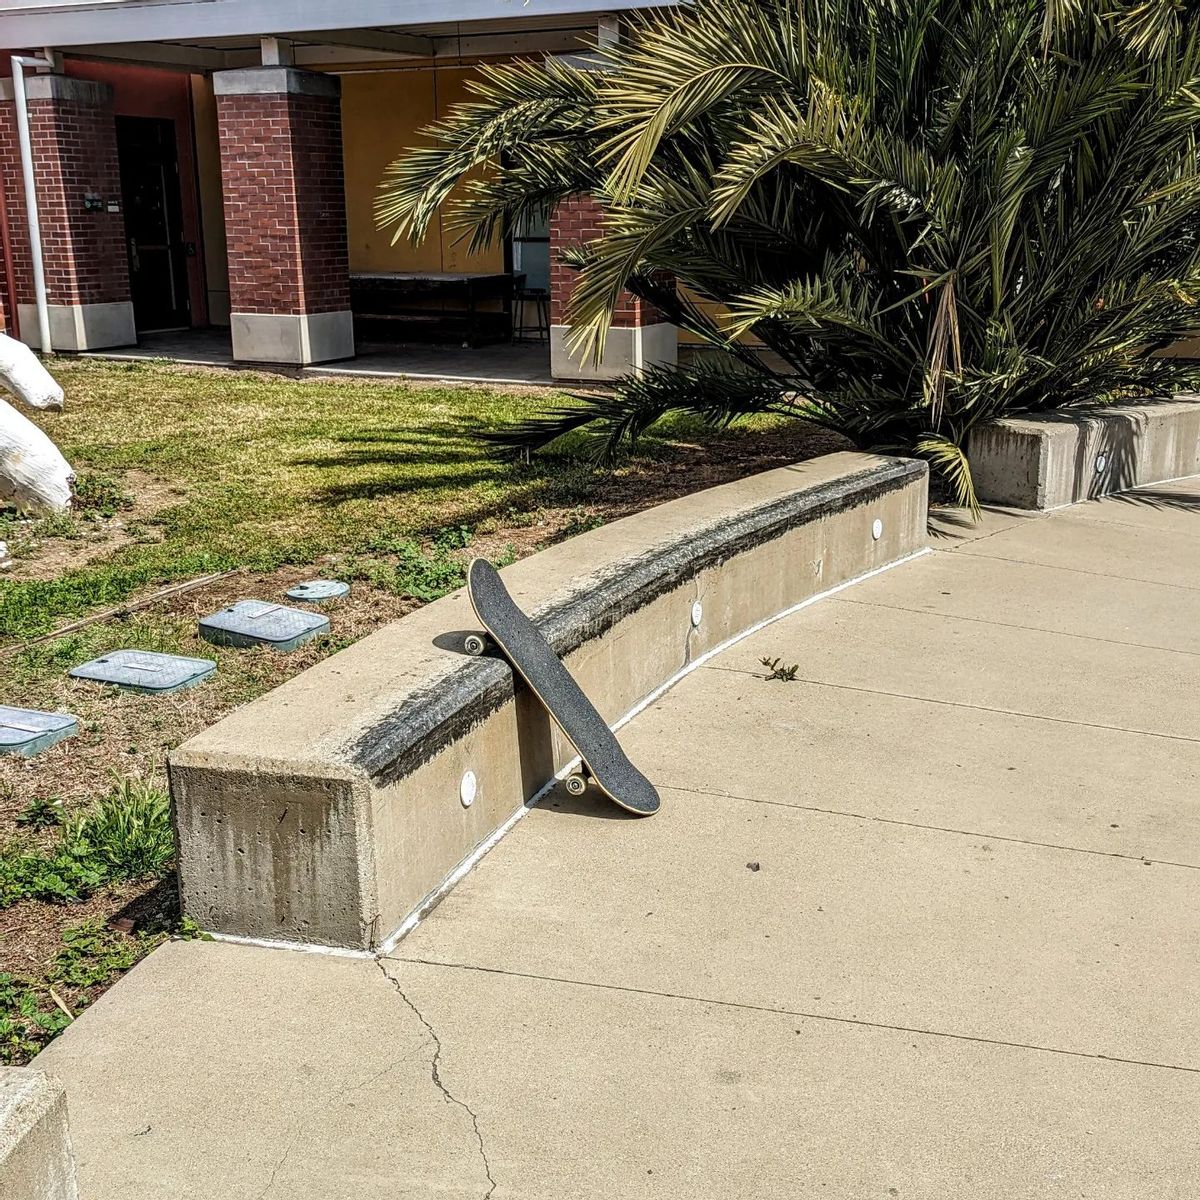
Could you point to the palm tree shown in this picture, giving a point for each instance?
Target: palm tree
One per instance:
(927, 213)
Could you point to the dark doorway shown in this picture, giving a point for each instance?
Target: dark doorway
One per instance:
(158, 277)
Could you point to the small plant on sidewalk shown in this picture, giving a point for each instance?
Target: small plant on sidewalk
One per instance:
(777, 670)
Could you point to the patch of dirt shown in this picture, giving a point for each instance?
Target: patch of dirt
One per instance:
(123, 733)
(686, 467)
(37, 557)
(31, 932)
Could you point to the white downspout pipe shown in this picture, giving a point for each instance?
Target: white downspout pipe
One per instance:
(19, 63)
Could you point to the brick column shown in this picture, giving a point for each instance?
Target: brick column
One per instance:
(639, 335)
(285, 214)
(74, 141)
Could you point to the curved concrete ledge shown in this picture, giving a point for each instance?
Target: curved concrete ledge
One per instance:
(1055, 459)
(328, 811)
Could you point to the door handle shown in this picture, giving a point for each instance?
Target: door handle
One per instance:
(134, 262)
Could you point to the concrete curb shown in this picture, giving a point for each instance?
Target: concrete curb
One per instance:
(1055, 459)
(35, 1146)
(329, 811)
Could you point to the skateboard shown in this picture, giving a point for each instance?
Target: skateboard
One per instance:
(530, 655)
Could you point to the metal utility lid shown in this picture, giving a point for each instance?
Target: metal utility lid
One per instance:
(146, 670)
(262, 623)
(317, 591)
(28, 731)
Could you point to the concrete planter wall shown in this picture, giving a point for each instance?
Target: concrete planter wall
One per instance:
(1055, 459)
(330, 812)
(35, 1148)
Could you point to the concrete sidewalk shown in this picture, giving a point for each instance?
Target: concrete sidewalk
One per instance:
(921, 924)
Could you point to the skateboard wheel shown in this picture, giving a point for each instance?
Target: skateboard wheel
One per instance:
(475, 643)
(576, 784)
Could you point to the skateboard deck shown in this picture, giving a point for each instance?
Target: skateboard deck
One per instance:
(530, 655)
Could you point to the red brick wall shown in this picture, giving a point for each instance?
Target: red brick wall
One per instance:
(575, 222)
(75, 152)
(285, 204)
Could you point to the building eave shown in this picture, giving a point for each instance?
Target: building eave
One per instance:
(120, 21)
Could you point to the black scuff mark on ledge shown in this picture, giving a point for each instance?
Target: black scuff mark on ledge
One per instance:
(446, 709)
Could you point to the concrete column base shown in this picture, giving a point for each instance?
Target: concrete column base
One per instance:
(81, 326)
(627, 349)
(297, 338)
(35, 1147)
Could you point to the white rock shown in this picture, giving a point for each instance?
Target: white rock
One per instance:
(34, 475)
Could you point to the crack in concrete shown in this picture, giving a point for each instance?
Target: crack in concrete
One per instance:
(276, 1169)
(436, 1076)
(295, 1134)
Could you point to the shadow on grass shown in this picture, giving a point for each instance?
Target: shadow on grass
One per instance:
(155, 911)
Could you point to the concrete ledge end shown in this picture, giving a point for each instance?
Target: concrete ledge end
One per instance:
(1054, 459)
(35, 1146)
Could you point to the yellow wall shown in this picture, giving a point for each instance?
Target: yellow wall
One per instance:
(212, 211)
(382, 114)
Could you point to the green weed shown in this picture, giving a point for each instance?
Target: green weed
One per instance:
(786, 674)
(126, 836)
(56, 877)
(41, 813)
(55, 525)
(580, 521)
(28, 1020)
(98, 495)
(91, 955)
(128, 833)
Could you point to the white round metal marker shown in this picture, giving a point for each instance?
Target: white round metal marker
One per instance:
(1101, 462)
(697, 613)
(877, 529)
(467, 789)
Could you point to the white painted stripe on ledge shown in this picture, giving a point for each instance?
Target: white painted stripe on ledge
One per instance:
(278, 944)
(465, 867)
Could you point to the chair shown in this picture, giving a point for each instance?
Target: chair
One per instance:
(540, 299)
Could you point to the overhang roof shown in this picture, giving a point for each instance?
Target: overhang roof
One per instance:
(215, 28)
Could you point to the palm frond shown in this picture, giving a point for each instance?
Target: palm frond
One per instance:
(950, 461)
(714, 390)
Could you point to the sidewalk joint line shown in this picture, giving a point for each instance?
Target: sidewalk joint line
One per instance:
(983, 537)
(1187, 533)
(974, 833)
(435, 1074)
(1008, 712)
(1066, 633)
(1028, 562)
(803, 1015)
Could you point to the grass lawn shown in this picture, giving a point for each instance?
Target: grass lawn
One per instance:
(256, 481)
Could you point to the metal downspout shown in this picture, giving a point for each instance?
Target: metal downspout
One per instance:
(19, 63)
